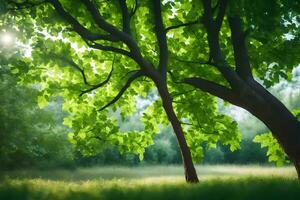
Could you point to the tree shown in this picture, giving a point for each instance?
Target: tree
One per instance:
(30, 137)
(122, 43)
(272, 55)
(144, 40)
(113, 32)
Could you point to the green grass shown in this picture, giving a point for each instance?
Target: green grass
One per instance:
(151, 182)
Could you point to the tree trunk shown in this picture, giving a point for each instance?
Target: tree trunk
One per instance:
(282, 123)
(244, 91)
(297, 166)
(189, 169)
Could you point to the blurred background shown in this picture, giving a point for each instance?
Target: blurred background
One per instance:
(36, 138)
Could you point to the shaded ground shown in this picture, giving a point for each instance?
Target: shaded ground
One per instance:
(151, 182)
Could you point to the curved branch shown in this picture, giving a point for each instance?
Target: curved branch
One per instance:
(71, 63)
(182, 25)
(173, 78)
(209, 62)
(127, 73)
(123, 89)
(214, 89)
(77, 27)
(101, 83)
(102, 23)
(109, 48)
(124, 37)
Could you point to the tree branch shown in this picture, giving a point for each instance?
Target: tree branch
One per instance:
(161, 39)
(133, 11)
(125, 16)
(213, 89)
(215, 48)
(124, 37)
(123, 89)
(73, 64)
(241, 58)
(221, 14)
(109, 48)
(214, 8)
(102, 23)
(173, 78)
(101, 83)
(77, 27)
(209, 62)
(182, 25)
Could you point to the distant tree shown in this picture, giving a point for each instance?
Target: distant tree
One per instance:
(143, 41)
(30, 136)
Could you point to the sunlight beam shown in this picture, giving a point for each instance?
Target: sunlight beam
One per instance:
(6, 39)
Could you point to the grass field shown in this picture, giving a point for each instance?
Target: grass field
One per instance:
(151, 182)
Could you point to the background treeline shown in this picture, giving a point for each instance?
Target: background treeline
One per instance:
(36, 138)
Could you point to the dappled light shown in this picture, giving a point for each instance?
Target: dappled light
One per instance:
(149, 99)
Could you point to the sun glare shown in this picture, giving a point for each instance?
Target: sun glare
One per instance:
(7, 39)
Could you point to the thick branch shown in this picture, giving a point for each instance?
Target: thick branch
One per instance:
(124, 88)
(242, 63)
(103, 24)
(77, 27)
(161, 38)
(214, 89)
(221, 14)
(125, 16)
(215, 49)
(124, 37)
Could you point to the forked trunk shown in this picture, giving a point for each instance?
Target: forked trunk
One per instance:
(189, 169)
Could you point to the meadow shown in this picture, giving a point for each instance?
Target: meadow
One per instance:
(151, 182)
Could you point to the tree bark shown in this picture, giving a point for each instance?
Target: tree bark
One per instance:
(189, 169)
(282, 123)
(266, 107)
(245, 92)
(297, 166)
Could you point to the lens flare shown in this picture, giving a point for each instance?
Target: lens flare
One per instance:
(7, 39)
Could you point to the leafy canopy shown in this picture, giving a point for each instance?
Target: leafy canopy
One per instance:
(69, 63)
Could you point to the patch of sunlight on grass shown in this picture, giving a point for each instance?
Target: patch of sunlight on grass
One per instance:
(159, 173)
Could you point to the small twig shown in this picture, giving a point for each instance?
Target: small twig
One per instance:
(182, 25)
